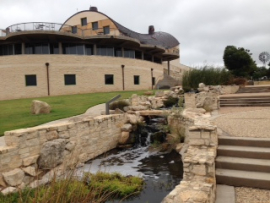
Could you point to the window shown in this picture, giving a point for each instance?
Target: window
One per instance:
(94, 25)
(37, 48)
(118, 52)
(70, 79)
(129, 53)
(105, 51)
(106, 30)
(74, 29)
(73, 49)
(54, 49)
(88, 49)
(136, 79)
(153, 81)
(108, 79)
(30, 80)
(83, 21)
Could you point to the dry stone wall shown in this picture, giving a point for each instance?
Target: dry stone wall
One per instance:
(33, 155)
(199, 183)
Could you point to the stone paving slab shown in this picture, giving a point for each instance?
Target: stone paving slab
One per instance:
(225, 194)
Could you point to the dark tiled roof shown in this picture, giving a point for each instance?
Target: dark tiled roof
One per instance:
(162, 39)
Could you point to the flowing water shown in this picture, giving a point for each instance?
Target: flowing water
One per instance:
(161, 171)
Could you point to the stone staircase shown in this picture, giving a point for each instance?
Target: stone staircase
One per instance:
(253, 89)
(243, 162)
(244, 100)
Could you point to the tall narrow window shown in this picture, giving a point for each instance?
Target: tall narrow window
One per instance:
(106, 30)
(70, 79)
(94, 25)
(136, 79)
(83, 21)
(108, 79)
(74, 29)
(30, 80)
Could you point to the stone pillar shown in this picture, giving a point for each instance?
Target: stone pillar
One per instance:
(23, 48)
(60, 48)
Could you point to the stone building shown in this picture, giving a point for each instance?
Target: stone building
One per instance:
(89, 52)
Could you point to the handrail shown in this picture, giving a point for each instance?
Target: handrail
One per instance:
(48, 26)
(110, 101)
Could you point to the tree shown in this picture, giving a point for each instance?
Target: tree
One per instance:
(238, 61)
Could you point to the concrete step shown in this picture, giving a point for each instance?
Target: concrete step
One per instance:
(241, 178)
(244, 141)
(247, 164)
(244, 151)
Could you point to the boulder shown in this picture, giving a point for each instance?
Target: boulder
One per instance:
(201, 85)
(9, 190)
(52, 154)
(14, 177)
(157, 103)
(124, 138)
(126, 127)
(30, 170)
(40, 107)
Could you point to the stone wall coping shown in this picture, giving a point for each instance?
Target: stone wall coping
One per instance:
(202, 127)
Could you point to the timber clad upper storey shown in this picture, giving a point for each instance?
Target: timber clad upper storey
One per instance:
(89, 52)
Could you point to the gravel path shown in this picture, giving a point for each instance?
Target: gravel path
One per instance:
(245, 121)
(252, 195)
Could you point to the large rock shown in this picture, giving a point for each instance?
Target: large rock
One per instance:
(124, 138)
(14, 177)
(126, 127)
(40, 107)
(52, 154)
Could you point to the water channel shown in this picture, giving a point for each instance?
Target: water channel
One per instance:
(161, 171)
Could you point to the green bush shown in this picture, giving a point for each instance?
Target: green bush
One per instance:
(206, 75)
(170, 101)
(120, 104)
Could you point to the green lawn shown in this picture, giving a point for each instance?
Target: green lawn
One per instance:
(15, 114)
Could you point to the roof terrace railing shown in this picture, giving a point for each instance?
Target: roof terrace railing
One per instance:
(45, 26)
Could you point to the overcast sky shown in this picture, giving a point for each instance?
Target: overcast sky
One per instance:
(203, 27)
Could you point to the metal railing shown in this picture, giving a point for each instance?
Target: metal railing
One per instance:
(108, 103)
(46, 26)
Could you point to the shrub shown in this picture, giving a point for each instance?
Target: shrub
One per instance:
(238, 81)
(120, 104)
(170, 101)
(206, 75)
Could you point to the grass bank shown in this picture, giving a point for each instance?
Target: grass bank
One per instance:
(16, 114)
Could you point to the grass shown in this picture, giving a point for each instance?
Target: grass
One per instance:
(16, 114)
(95, 188)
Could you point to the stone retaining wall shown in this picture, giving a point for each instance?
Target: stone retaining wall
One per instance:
(199, 183)
(32, 154)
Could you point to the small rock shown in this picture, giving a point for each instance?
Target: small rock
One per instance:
(124, 138)
(14, 177)
(126, 127)
(9, 190)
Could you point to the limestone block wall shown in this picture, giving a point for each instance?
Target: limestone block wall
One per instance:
(79, 141)
(190, 101)
(199, 183)
(89, 72)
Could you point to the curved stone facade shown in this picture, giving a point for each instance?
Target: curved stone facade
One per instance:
(89, 72)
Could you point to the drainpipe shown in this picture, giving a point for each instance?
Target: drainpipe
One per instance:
(48, 81)
(152, 78)
(123, 76)
(168, 67)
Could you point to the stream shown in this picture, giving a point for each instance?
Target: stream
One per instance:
(161, 171)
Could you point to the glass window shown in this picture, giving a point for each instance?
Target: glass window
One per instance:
(129, 53)
(70, 79)
(73, 49)
(54, 49)
(74, 29)
(80, 49)
(83, 21)
(37, 48)
(105, 51)
(106, 30)
(94, 25)
(108, 79)
(88, 49)
(18, 48)
(6, 49)
(118, 52)
(136, 79)
(30, 80)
